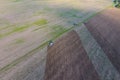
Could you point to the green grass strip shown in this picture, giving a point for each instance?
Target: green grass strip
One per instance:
(40, 22)
(16, 29)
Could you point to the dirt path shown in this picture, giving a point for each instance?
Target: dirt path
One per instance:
(101, 62)
(105, 27)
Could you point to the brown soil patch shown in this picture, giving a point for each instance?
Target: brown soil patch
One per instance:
(67, 60)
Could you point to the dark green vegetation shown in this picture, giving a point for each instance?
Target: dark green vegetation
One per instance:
(117, 3)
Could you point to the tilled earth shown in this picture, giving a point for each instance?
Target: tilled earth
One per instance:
(68, 60)
(105, 27)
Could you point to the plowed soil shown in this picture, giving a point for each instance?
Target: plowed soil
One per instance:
(105, 27)
(67, 60)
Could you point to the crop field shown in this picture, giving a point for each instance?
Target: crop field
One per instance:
(27, 26)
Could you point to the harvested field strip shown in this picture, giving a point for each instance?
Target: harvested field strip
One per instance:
(72, 26)
(39, 23)
(16, 29)
(49, 25)
(42, 23)
(15, 62)
(53, 29)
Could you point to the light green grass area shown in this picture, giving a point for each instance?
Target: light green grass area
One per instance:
(60, 33)
(40, 22)
(15, 30)
(58, 29)
(19, 28)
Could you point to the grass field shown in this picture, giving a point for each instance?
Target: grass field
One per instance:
(26, 27)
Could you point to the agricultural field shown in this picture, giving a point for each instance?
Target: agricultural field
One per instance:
(27, 26)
